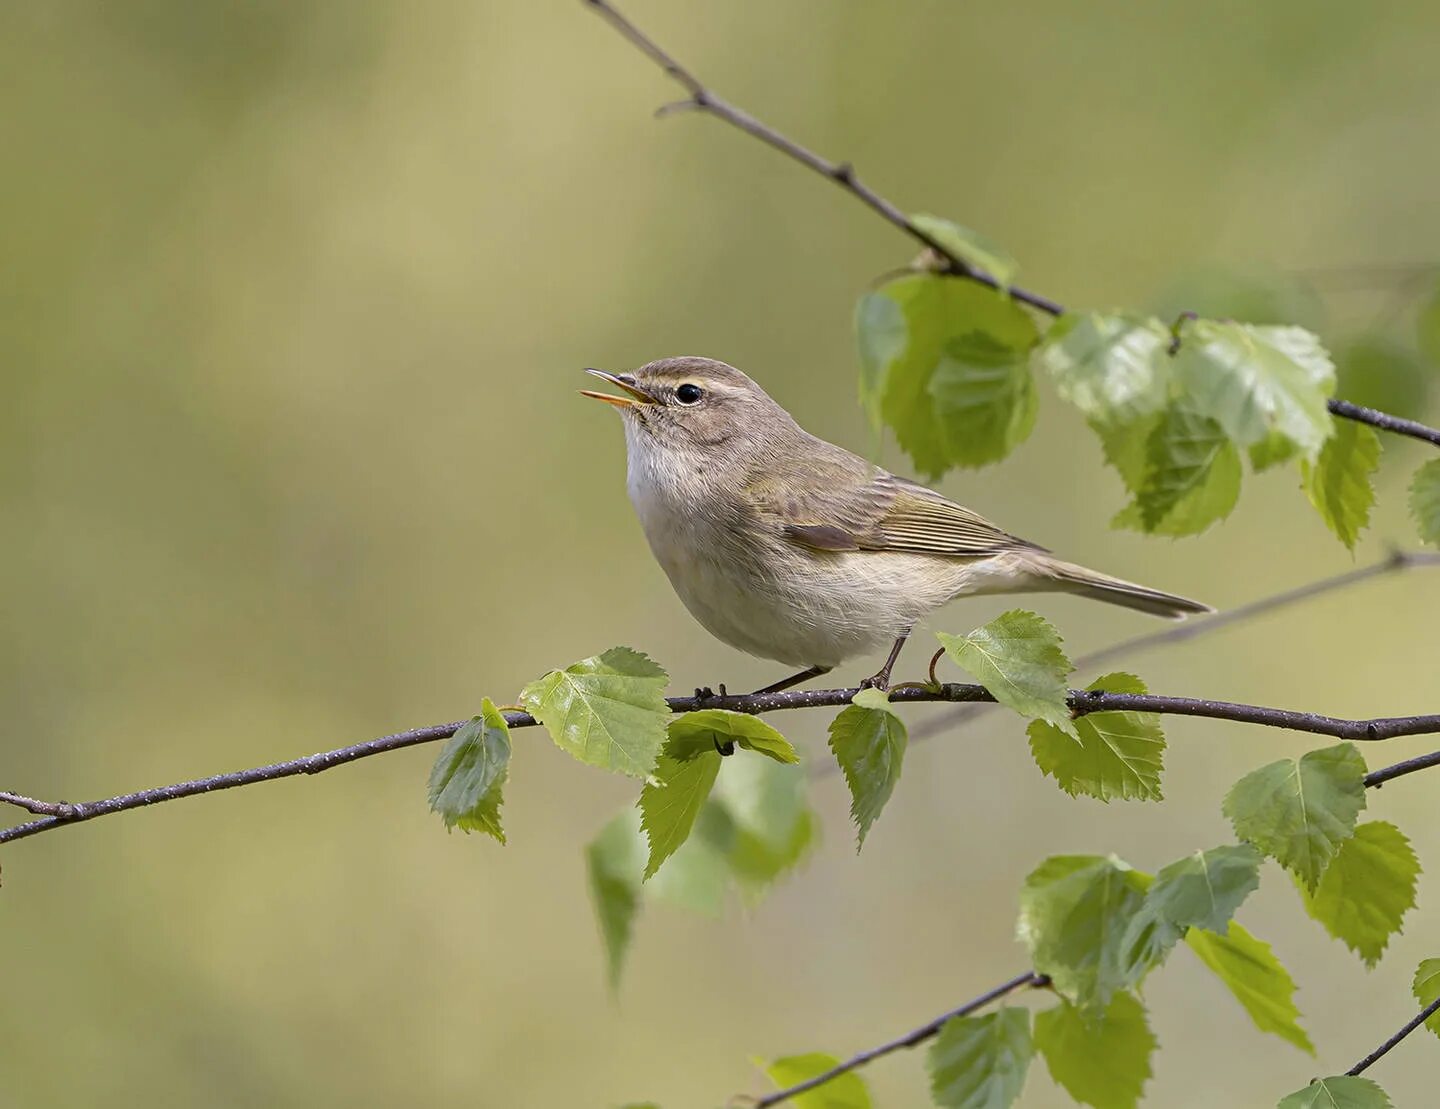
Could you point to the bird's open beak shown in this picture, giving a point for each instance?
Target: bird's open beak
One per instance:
(637, 396)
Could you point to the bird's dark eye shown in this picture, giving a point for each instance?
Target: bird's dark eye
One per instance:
(689, 393)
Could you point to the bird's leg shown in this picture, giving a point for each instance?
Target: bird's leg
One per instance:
(881, 679)
(794, 679)
(704, 693)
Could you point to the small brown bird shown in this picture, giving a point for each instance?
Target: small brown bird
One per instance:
(794, 549)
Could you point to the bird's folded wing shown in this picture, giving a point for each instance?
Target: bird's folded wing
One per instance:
(881, 513)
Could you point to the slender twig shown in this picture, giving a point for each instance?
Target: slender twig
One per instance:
(29, 804)
(917, 1036)
(1377, 778)
(706, 100)
(1410, 1026)
(1082, 702)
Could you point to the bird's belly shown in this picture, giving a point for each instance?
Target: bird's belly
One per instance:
(797, 606)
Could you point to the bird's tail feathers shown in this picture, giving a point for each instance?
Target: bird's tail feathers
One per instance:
(1070, 578)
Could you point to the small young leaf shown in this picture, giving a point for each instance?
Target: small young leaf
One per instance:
(1252, 973)
(1427, 989)
(1202, 890)
(1116, 754)
(608, 710)
(1367, 889)
(881, 336)
(1341, 1092)
(615, 860)
(1339, 486)
(1425, 501)
(1274, 450)
(1191, 477)
(980, 1062)
(1299, 811)
(709, 729)
(1126, 447)
(697, 876)
(672, 799)
(950, 371)
(1100, 1061)
(1253, 381)
(845, 1092)
(868, 739)
(759, 819)
(467, 781)
(970, 247)
(1074, 910)
(1018, 658)
(1115, 369)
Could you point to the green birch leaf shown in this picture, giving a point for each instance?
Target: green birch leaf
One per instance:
(1114, 368)
(868, 739)
(1104, 1061)
(672, 799)
(1339, 484)
(1367, 889)
(1425, 501)
(1251, 972)
(972, 248)
(984, 397)
(881, 336)
(608, 710)
(1017, 657)
(1074, 911)
(1299, 811)
(1202, 890)
(759, 819)
(1125, 447)
(696, 877)
(981, 1062)
(1274, 450)
(957, 389)
(1427, 989)
(1191, 477)
(846, 1092)
(1114, 754)
(1254, 381)
(467, 782)
(706, 730)
(614, 862)
(1343, 1091)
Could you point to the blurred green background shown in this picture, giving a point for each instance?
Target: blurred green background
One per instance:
(293, 302)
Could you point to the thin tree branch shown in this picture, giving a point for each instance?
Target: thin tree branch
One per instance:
(910, 1039)
(704, 99)
(1377, 778)
(1082, 702)
(1410, 1026)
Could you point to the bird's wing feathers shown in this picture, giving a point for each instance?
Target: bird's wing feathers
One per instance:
(850, 505)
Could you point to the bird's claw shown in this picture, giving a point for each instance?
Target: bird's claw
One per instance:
(704, 693)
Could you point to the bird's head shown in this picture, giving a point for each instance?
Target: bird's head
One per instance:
(694, 406)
